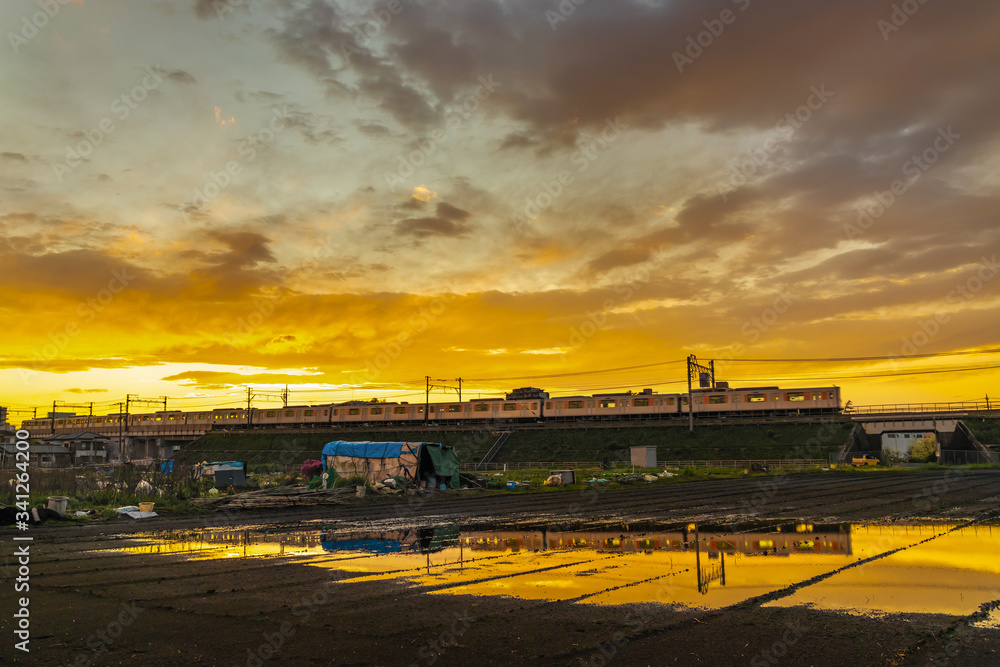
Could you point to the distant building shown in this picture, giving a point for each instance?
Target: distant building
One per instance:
(85, 447)
(526, 393)
(40, 455)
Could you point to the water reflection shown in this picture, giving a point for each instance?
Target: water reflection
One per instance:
(866, 568)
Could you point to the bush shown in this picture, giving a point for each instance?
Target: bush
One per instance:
(923, 450)
(311, 468)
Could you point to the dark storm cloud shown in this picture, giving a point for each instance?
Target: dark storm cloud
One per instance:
(320, 39)
(449, 212)
(426, 227)
(176, 75)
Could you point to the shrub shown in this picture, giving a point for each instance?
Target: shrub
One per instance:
(923, 450)
(311, 468)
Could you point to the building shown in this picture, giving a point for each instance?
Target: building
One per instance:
(85, 447)
(40, 455)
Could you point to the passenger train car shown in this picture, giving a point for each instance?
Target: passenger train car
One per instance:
(540, 408)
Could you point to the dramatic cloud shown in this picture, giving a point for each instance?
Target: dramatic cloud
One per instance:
(350, 196)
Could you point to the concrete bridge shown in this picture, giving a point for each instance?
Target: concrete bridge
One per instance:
(890, 428)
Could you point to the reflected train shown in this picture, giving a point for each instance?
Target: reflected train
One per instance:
(527, 405)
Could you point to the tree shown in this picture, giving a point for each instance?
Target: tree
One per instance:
(923, 450)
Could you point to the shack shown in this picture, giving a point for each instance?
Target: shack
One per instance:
(430, 462)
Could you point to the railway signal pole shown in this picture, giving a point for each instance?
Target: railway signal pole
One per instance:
(706, 380)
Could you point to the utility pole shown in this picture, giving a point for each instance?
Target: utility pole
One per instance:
(427, 398)
(706, 380)
(690, 401)
(459, 390)
(249, 418)
(284, 397)
(53, 417)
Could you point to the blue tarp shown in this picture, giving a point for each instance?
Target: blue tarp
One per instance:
(167, 466)
(362, 450)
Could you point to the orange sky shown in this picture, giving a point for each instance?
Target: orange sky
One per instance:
(195, 200)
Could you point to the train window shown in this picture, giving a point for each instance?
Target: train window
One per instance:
(716, 400)
(375, 411)
(795, 396)
(270, 413)
(684, 400)
(641, 402)
(534, 406)
(354, 411)
(454, 408)
(737, 398)
(432, 408)
(420, 410)
(399, 410)
(608, 403)
(289, 413)
(481, 407)
(574, 405)
(310, 413)
(509, 407)
(816, 395)
(756, 398)
(670, 401)
(548, 405)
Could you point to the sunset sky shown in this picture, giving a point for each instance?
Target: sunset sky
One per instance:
(347, 196)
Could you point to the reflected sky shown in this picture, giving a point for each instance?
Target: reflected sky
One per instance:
(855, 568)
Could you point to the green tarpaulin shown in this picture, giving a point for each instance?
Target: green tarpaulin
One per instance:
(445, 462)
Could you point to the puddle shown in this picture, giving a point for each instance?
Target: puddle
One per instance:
(927, 569)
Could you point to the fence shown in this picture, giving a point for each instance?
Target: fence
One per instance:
(703, 463)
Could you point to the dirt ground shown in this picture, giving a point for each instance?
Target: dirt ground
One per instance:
(94, 607)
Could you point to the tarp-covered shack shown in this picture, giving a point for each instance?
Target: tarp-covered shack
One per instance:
(414, 461)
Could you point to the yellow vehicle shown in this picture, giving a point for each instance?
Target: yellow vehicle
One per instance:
(866, 460)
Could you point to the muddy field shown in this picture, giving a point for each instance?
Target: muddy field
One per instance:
(92, 601)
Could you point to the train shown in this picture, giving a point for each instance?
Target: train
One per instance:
(524, 405)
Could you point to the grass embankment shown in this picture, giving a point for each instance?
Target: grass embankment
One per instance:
(987, 431)
(672, 442)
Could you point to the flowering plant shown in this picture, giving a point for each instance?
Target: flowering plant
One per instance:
(311, 468)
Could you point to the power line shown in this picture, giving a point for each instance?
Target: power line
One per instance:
(559, 375)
